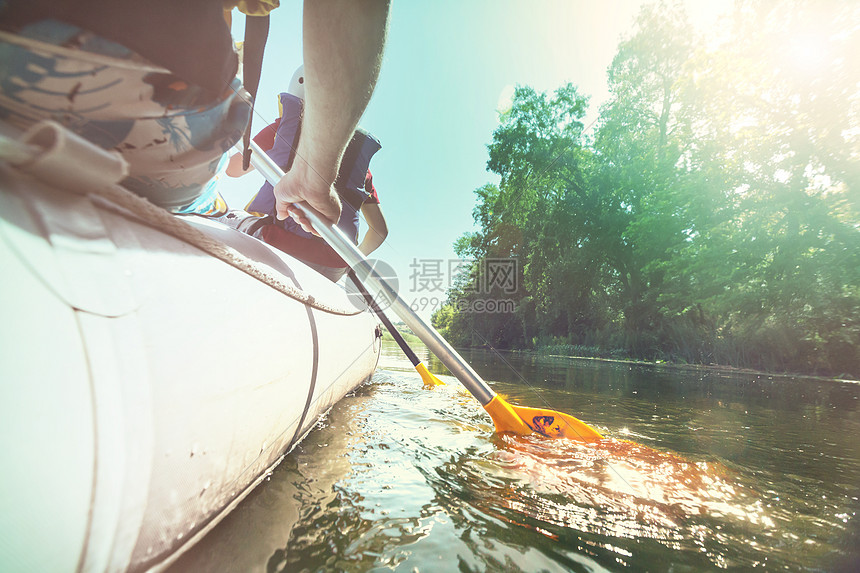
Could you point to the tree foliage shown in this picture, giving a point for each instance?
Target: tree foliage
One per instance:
(712, 217)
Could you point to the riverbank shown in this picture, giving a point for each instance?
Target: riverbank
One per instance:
(616, 356)
(685, 366)
(407, 335)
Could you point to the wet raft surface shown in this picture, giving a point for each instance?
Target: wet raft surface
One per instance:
(703, 470)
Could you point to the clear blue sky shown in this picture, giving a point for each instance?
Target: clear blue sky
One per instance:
(447, 63)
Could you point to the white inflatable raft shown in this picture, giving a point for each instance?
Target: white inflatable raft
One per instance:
(147, 386)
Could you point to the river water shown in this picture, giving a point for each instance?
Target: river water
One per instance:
(702, 470)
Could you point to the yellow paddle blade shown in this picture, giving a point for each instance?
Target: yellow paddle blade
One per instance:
(429, 379)
(504, 417)
(525, 421)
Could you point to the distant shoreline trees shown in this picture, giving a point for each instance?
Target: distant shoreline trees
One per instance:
(713, 216)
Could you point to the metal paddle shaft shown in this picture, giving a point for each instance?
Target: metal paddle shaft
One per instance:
(368, 275)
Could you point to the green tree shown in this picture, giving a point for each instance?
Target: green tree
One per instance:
(714, 216)
(643, 137)
(536, 214)
(777, 265)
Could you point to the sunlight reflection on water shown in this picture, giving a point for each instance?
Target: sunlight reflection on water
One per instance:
(467, 478)
(618, 488)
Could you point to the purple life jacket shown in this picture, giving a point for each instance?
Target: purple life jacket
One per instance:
(350, 178)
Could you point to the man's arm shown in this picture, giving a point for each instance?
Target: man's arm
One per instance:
(377, 228)
(343, 43)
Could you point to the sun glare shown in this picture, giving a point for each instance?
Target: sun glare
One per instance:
(809, 52)
(506, 100)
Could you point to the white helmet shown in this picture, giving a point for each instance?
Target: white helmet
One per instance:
(297, 84)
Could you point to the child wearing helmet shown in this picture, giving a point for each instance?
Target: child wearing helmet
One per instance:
(354, 185)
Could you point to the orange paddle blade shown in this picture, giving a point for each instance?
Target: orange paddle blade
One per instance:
(525, 421)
